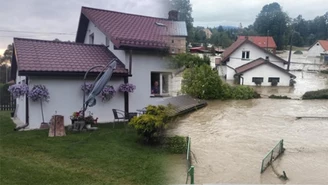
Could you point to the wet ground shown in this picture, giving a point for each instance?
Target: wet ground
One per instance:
(230, 138)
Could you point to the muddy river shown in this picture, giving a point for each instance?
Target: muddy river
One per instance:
(230, 138)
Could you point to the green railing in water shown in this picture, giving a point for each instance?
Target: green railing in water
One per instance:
(190, 168)
(272, 155)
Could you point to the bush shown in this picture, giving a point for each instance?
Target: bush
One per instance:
(204, 83)
(152, 124)
(324, 71)
(298, 52)
(188, 60)
(175, 145)
(320, 94)
(279, 97)
(242, 92)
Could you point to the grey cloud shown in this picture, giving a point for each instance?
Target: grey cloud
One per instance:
(62, 15)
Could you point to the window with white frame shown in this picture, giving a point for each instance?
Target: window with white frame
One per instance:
(159, 83)
(245, 55)
(91, 38)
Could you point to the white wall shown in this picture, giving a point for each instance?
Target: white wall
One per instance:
(100, 38)
(66, 97)
(142, 66)
(255, 53)
(266, 71)
(315, 50)
(21, 101)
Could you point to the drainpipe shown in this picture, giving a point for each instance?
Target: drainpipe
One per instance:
(26, 113)
(130, 62)
(242, 80)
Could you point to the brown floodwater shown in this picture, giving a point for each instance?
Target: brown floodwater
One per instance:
(230, 139)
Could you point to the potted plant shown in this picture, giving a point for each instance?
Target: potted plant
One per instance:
(39, 93)
(107, 93)
(126, 87)
(18, 90)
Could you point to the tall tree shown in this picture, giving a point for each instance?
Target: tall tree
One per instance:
(272, 19)
(185, 9)
(7, 54)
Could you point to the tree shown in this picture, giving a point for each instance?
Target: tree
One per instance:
(188, 60)
(272, 18)
(7, 55)
(185, 9)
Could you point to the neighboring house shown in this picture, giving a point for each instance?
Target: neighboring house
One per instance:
(319, 48)
(264, 42)
(249, 64)
(140, 43)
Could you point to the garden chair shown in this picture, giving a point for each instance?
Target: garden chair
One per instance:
(122, 116)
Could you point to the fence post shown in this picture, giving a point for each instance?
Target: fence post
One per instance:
(192, 171)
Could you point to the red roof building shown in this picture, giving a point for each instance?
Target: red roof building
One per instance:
(262, 41)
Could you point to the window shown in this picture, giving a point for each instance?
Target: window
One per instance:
(172, 41)
(91, 38)
(107, 42)
(267, 58)
(245, 55)
(159, 83)
(257, 80)
(274, 81)
(172, 50)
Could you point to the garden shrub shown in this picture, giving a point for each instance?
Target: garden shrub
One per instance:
(204, 83)
(320, 94)
(298, 52)
(152, 124)
(324, 71)
(175, 145)
(279, 97)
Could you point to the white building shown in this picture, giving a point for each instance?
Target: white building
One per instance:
(140, 44)
(249, 64)
(319, 48)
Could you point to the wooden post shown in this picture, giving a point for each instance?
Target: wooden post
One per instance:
(57, 126)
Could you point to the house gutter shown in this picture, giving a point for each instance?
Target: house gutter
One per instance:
(26, 112)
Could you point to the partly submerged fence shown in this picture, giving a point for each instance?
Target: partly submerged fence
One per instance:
(190, 167)
(272, 155)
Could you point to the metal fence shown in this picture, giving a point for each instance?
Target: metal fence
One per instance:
(190, 167)
(7, 103)
(272, 155)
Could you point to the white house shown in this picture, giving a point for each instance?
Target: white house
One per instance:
(249, 64)
(319, 48)
(139, 43)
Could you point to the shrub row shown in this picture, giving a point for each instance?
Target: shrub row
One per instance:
(320, 94)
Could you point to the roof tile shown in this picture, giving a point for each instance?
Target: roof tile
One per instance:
(261, 41)
(50, 56)
(135, 30)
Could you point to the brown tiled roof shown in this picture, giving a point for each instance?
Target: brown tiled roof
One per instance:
(131, 30)
(49, 56)
(233, 47)
(256, 63)
(239, 42)
(324, 44)
(261, 41)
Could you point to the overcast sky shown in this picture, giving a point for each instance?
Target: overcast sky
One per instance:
(61, 16)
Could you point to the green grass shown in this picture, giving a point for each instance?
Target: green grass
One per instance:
(105, 156)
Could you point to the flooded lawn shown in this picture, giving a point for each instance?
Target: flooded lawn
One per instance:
(230, 138)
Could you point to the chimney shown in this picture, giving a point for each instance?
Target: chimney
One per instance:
(173, 15)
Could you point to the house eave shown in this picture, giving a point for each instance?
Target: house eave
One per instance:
(65, 73)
